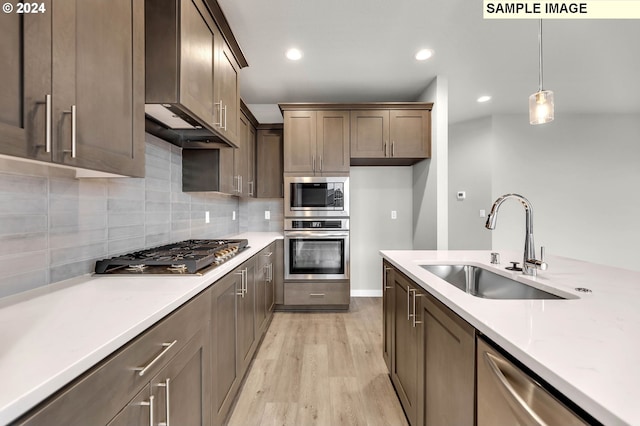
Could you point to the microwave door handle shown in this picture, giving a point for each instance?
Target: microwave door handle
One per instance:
(311, 234)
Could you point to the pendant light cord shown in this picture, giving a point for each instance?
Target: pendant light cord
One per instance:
(540, 56)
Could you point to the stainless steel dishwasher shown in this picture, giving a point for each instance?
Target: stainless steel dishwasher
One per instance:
(509, 396)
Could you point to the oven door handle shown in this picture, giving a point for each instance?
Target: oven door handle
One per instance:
(315, 234)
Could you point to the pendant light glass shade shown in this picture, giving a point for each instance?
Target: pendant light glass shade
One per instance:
(541, 107)
(541, 102)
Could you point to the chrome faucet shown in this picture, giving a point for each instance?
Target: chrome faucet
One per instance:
(529, 263)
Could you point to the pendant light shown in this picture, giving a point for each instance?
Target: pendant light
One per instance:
(541, 102)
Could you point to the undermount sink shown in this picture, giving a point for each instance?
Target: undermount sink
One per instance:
(480, 282)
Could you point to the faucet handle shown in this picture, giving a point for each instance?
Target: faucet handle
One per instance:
(538, 264)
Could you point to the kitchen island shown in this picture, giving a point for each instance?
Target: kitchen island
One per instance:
(51, 336)
(585, 346)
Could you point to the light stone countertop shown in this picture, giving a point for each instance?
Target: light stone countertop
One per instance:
(52, 335)
(587, 347)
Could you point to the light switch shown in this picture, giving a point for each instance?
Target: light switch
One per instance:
(394, 214)
(461, 195)
(206, 217)
(267, 215)
(483, 213)
(233, 215)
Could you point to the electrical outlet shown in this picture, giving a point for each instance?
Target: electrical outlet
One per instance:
(267, 215)
(207, 219)
(394, 214)
(483, 213)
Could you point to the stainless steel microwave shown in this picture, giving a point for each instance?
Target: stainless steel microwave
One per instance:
(316, 196)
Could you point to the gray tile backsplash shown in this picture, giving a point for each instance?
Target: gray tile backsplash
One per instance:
(54, 226)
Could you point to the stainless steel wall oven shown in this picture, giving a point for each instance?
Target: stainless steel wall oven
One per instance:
(316, 249)
(316, 196)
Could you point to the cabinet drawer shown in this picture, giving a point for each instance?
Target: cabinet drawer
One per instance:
(98, 395)
(316, 293)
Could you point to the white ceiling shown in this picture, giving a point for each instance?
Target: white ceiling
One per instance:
(362, 51)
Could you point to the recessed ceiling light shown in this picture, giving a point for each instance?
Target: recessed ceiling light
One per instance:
(484, 98)
(424, 54)
(294, 54)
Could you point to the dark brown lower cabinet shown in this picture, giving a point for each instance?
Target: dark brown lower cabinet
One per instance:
(185, 370)
(431, 354)
(130, 386)
(407, 365)
(388, 312)
(223, 332)
(449, 366)
(178, 394)
(264, 288)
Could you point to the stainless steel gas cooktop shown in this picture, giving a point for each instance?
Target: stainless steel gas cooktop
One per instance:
(185, 257)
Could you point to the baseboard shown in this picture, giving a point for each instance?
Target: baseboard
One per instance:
(366, 293)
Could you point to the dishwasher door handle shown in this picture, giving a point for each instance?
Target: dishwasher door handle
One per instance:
(520, 408)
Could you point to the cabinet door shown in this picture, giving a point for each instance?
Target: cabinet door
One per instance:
(137, 412)
(223, 355)
(198, 37)
(300, 142)
(270, 291)
(410, 133)
(241, 157)
(278, 273)
(226, 170)
(449, 363)
(388, 312)
(332, 149)
(246, 319)
(407, 355)
(269, 168)
(228, 93)
(98, 84)
(251, 161)
(369, 133)
(181, 388)
(261, 274)
(25, 87)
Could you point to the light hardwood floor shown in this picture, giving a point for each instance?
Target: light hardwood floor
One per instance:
(321, 369)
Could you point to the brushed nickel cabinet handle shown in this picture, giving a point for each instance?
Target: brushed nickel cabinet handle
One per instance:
(393, 148)
(219, 104)
(242, 290)
(72, 111)
(321, 163)
(225, 118)
(314, 163)
(167, 404)
(316, 294)
(150, 405)
(167, 346)
(408, 303)
(384, 148)
(415, 315)
(384, 279)
(47, 135)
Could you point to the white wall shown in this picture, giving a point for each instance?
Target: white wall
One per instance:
(430, 208)
(375, 192)
(582, 175)
(470, 170)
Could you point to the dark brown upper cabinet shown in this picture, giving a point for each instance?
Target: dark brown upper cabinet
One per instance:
(73, 85)
(192, 74)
